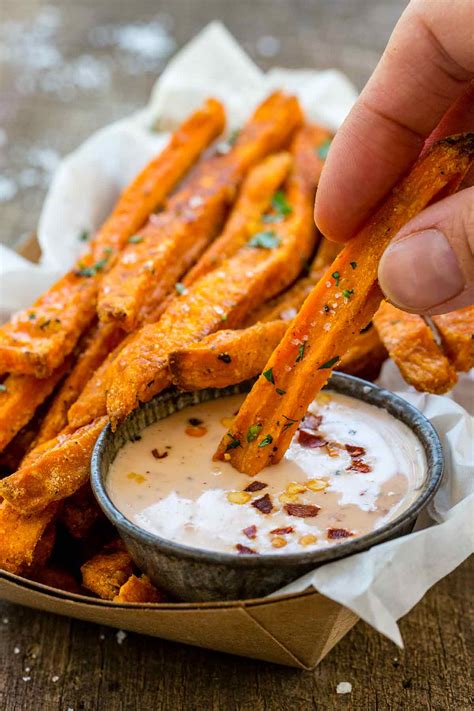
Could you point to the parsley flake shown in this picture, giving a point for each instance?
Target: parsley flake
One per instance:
(329, 364)
(268, 374)
(180, 288)
(336, 276)
(300, 355)
(280, 204)
(135, 239)
(3, 388)
(268, 439)
(289, 423)
(347, 293)
(234, 443)
(83, 236)
(253, 432)
(279, 391)
(264, 240)
(354, 265)
(31, 316)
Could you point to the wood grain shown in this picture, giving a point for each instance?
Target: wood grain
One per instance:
(95, 672)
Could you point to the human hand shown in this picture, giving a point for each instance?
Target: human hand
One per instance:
(422, 89)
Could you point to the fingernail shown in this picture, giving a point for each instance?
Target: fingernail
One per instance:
(420, 271)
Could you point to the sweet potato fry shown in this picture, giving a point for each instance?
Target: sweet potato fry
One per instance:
(57, 473)
(20, 396)
(20, 534)
(334, 313)
(139, 590)
(36, 341)
(101, 340)
(254, 198)
(194, 216)
(80, 512)
(457, 336)
(226, 357)
(224, 295)
(411, 345)
(106, 572)
(58, 578)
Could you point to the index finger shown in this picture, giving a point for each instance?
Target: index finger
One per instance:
(426, 67)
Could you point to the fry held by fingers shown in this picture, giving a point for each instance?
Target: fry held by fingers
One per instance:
(334, 313)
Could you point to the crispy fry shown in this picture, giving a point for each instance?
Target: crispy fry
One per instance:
(80, 512)
(20, 534)
(99, 343)
(43, 550)
(57, 473)
(36, 341)
(21, 395)
(194, 216)
(253, 200)
(139, 590)
(226, 357)
(106, 572)
(141, 369)
(334, 313)
(411, 345)
(457, 335)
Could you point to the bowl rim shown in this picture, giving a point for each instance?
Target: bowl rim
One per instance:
(368, 392)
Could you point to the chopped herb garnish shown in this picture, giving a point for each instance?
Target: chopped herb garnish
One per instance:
(268, 439)
(279, 391)
(280, 204)
(354, 265)
(253, 432)
(329, 363)
(83, 236)
(31, 316)
(326, 308)
(45, 324)
(347, 293)
(234, 443)
(289, 423)
(336, 276)
(93, 269)
(300, 355)
(180, 288)
(268, 374)
(3, 388)
(264, 240)
(135, 239)
(323, 149)
(224, 357)
(107, 250)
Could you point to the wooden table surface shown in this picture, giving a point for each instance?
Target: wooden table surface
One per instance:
(66, 69)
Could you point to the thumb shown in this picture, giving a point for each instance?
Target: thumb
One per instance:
(429, 266)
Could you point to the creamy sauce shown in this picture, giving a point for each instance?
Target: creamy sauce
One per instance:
(350, 468)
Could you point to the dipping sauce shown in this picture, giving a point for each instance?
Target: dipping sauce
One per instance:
(351, 468)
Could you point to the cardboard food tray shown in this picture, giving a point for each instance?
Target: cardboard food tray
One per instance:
(296, 630)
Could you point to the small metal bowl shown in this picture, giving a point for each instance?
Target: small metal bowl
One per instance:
(194, 574)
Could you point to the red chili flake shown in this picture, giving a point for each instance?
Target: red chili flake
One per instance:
(282, 531)
(311, 422)
(159, 455)
(310, 440)
(264, 504)
(250, 531)
(358, 465)
(335, 533)
(244, 549)
(302, 510)
(355, 451)
(255, 486)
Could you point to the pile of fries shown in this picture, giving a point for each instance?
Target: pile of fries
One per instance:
(208, 263)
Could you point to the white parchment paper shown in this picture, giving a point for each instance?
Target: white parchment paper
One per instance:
(384, 583)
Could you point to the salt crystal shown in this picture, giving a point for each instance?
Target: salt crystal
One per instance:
(344, 687)
(8, 188)
(327, 326)
(102, 636)
(288, 314)
(268, 46)
(121, 635)
(54, 679)
(27, 669)
(16, 650)
(26, 678)
(5, 620)
(196, 201)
